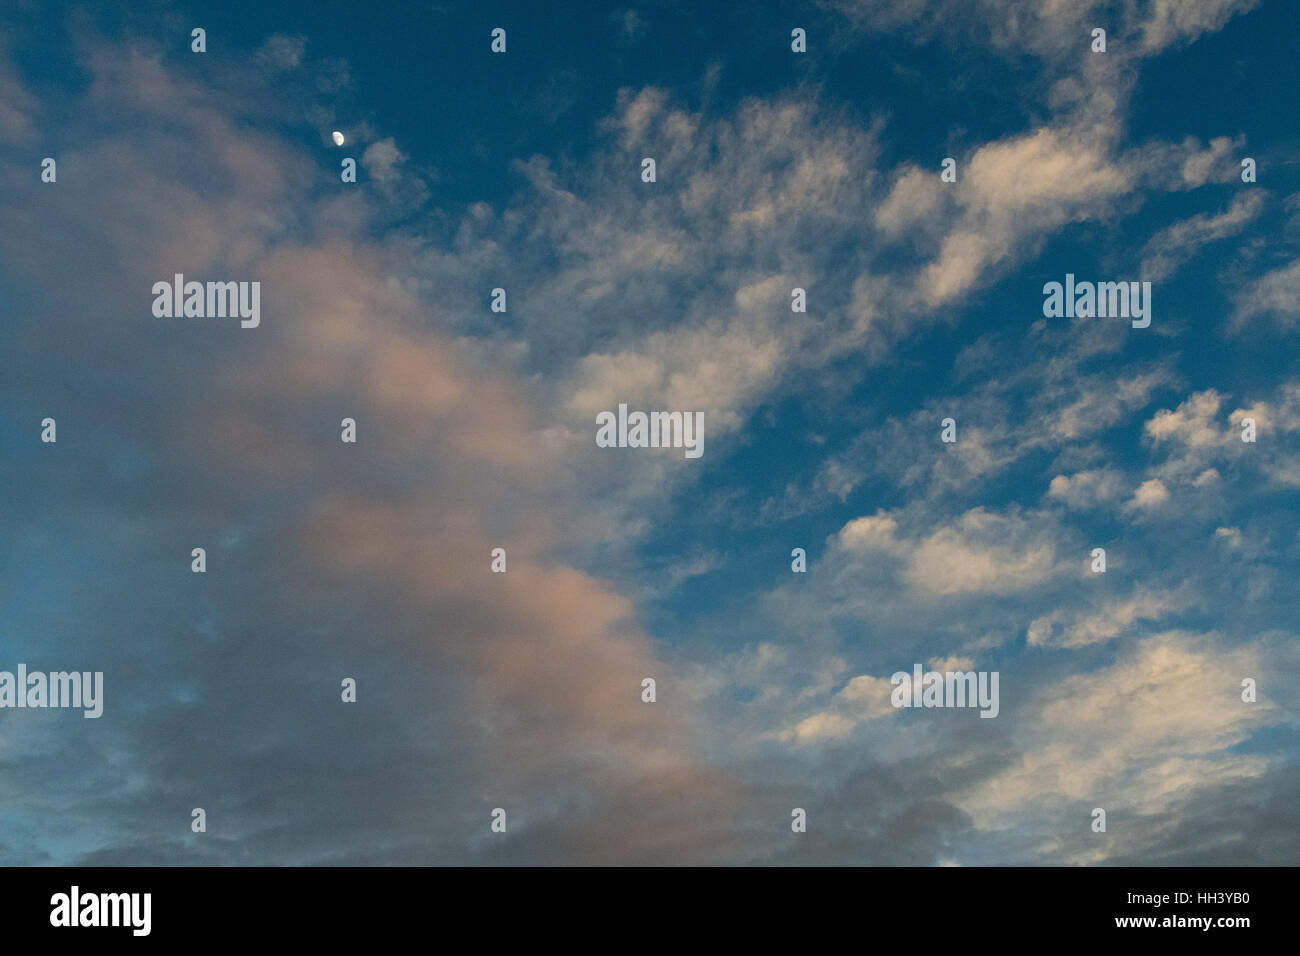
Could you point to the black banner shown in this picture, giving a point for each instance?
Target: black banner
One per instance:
(1150, 905)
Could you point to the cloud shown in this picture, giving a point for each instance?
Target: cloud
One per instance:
(387, 167)
(1009, 194)
(1169, 21)
(1032, 394)
(1216, 163)
(1113, 619)
(1087, 489)
(281, 52)
(1049, 30)
(1191, 424)
(1231, 536)
(382, 161)
(863, 699)
(983, 552)
(1151, 494)
(1174, 245)
(18, 107)
(522, 689)
(1194, 439)
(1159, 721)
(1275, 294)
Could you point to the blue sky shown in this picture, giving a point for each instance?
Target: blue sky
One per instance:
(521, 690)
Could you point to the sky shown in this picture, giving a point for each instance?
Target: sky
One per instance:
(476, 429)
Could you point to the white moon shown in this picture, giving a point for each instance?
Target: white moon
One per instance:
(338, 138)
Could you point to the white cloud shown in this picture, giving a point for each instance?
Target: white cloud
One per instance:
(1171, 21)
(281, 52)
(863, 699)
(1087, 489)
(1191, 424)
(1194, 439)
(383, 161)
(1230, 536)
(1174, 245)
(1160, 720)
(1052, 29)
(1114, 619)
(984, 552)
(1151, 494)
(1276, 293)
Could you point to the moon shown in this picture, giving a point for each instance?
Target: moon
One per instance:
(338, 138)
